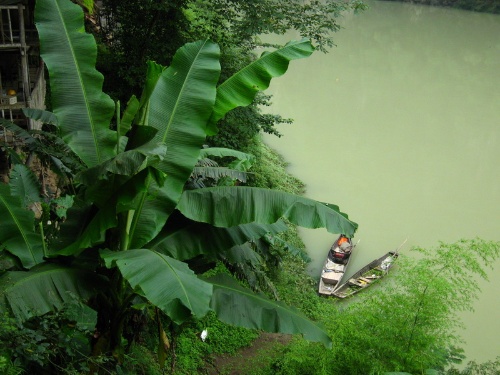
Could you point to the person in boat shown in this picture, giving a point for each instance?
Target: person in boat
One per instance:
(342, 251)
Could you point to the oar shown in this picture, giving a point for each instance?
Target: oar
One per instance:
(400, 246)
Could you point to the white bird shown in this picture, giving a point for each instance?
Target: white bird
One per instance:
(204, 335)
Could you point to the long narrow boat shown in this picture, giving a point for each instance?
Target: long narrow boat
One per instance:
(335, 265)
(367, 275)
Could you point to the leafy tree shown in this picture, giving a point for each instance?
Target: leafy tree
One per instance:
(134, 32)
(407, 324)
(128, 237)
(473, 368)
(242, 23)
(486, 6)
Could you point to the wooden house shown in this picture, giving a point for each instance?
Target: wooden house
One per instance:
(22, 83)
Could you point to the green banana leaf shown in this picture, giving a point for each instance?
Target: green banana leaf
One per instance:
(40, 115)
(243, 254)
(83, 111)
(219, 172)
(84, 228)
(240, 89)
(190, 240)
(179, 107)
(129, 114)
(153, 74)
(17, 232)
(127, 163)
(242, 163)
(43, 144)
(294, 250)
(222, 152)
(87, 223)
(24, 184)
(258, 312)
(168, 283)
(46, 288)
(22, 134)
(84, 317)
(234, 205)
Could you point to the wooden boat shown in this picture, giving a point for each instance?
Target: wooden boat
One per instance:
(335, 265)
(366, 276)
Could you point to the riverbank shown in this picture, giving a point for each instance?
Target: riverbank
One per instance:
(483, 6)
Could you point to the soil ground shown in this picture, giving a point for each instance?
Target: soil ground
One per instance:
(258, 355)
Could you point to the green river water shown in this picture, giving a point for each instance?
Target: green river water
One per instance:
(399, 126)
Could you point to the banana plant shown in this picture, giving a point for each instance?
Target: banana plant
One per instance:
(133, 227)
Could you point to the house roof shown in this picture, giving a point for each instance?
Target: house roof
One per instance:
(12, 2)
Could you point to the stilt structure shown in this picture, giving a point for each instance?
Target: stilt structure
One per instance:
(22, 83)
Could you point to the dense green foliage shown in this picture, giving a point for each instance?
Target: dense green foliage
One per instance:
(137, 31)
(409, 324)
(129, 244)
(132, 226)
(486, 6)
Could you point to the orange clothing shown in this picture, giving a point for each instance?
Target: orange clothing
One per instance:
(342, 240)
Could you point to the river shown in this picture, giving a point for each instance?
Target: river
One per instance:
(399, 126)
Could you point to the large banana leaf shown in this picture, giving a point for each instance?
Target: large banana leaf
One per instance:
(17, 233)
(127, 163)
(166, 282)
(85, 228)
(46, 288)
(179, 108)
(236, 305)
(153, 74)
(240, 89)
(224, 152)
(83, 111)
(234, 205)
(199, 238)
(86, 224)
(150, 214)
(235, 170)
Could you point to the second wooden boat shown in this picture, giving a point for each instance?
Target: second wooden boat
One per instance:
(366, 276)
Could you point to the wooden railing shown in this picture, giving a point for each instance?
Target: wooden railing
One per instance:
(9, 35)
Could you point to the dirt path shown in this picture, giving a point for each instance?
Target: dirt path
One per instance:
(259, 354)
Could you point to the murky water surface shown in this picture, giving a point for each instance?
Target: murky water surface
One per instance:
(400, 126)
